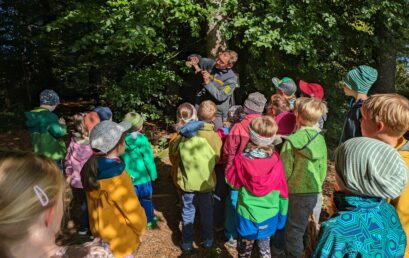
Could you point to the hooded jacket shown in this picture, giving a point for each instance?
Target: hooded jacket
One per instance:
(46, 133)
(363, 227)
(138, 158)
(263, 195)
(198, 157)
(77, 154)
(352, 124)
(237, 140)
(402, 202)
(304, 156)
(115, 214)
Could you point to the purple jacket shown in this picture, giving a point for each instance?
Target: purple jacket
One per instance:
(77, 155)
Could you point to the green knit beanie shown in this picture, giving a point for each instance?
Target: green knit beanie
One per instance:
(135, 119)
(361, 79)
(370, 167)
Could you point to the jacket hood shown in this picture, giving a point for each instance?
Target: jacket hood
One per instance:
(191, 128)
(247, 119)
(344, 202)
(308, 141)
(107, 168)
(258, 176)
(34, 117)
(80, 151)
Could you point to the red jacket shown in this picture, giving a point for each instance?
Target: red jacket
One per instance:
(237, 140)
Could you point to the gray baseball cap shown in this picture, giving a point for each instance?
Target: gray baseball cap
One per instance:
(106, 135)
(286, 84)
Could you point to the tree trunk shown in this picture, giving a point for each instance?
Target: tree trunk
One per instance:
(386, 55)
(214, 40)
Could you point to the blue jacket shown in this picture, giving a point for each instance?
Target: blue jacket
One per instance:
(363, 227)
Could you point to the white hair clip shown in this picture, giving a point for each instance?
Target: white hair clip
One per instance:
(42, 196)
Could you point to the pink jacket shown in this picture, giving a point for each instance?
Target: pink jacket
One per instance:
(258, 176)
(77, 155)
(237, 140)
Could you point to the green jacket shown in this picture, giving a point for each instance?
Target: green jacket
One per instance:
(138, 158)
(304, 156)
(198, 155)
(46, 133)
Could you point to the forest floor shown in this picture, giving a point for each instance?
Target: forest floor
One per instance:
(163, 241)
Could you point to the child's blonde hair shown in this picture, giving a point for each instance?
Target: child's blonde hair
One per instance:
(23, 176)
(308, 111)
(79, 125)
(279, 104)
(391, 109)
(207, 111)
(185, 113)
(266, 127)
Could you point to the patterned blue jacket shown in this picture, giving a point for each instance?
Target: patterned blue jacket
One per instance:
(364, 227)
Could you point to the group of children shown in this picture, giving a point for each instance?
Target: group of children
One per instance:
(259, 177)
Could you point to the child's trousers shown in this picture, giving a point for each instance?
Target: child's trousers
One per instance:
(190, 202)
(219, 197)
(230, 223)
(300, 207)
(245, 247)
(144, 193)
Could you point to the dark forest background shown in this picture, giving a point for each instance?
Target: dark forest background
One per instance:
(130, 55)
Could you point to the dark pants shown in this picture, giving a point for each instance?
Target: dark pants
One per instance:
(300, 207)
(144, 193)
(219, 196)
(245, 247)
(80, 209)
(190, 202)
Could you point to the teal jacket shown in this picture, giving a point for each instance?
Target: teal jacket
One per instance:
(46, 133)
(304, 156)
(138, 159)
(198, 155)
(363, 227)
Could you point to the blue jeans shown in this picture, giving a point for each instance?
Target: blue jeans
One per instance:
(230, 224)
(144, 193)
(190, 202)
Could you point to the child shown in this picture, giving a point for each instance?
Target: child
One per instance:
(115, 214)
(31, 195)
(258, 175)
(46, 130)
(140, 164)
(280, 109)
(104, 113)
(234, 145)
(185, 113)
(386, 117)
(287, 88)
(313, 90)
(221, 190)
(79, 151)
(357, 83)
(368, 171)
(304, 155)
(196, 179)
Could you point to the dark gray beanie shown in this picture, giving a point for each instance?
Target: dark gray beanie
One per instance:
(256, 102)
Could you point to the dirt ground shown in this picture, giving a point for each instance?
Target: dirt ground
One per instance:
(165, 240)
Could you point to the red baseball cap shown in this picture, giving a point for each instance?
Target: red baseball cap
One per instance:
(312, 89)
